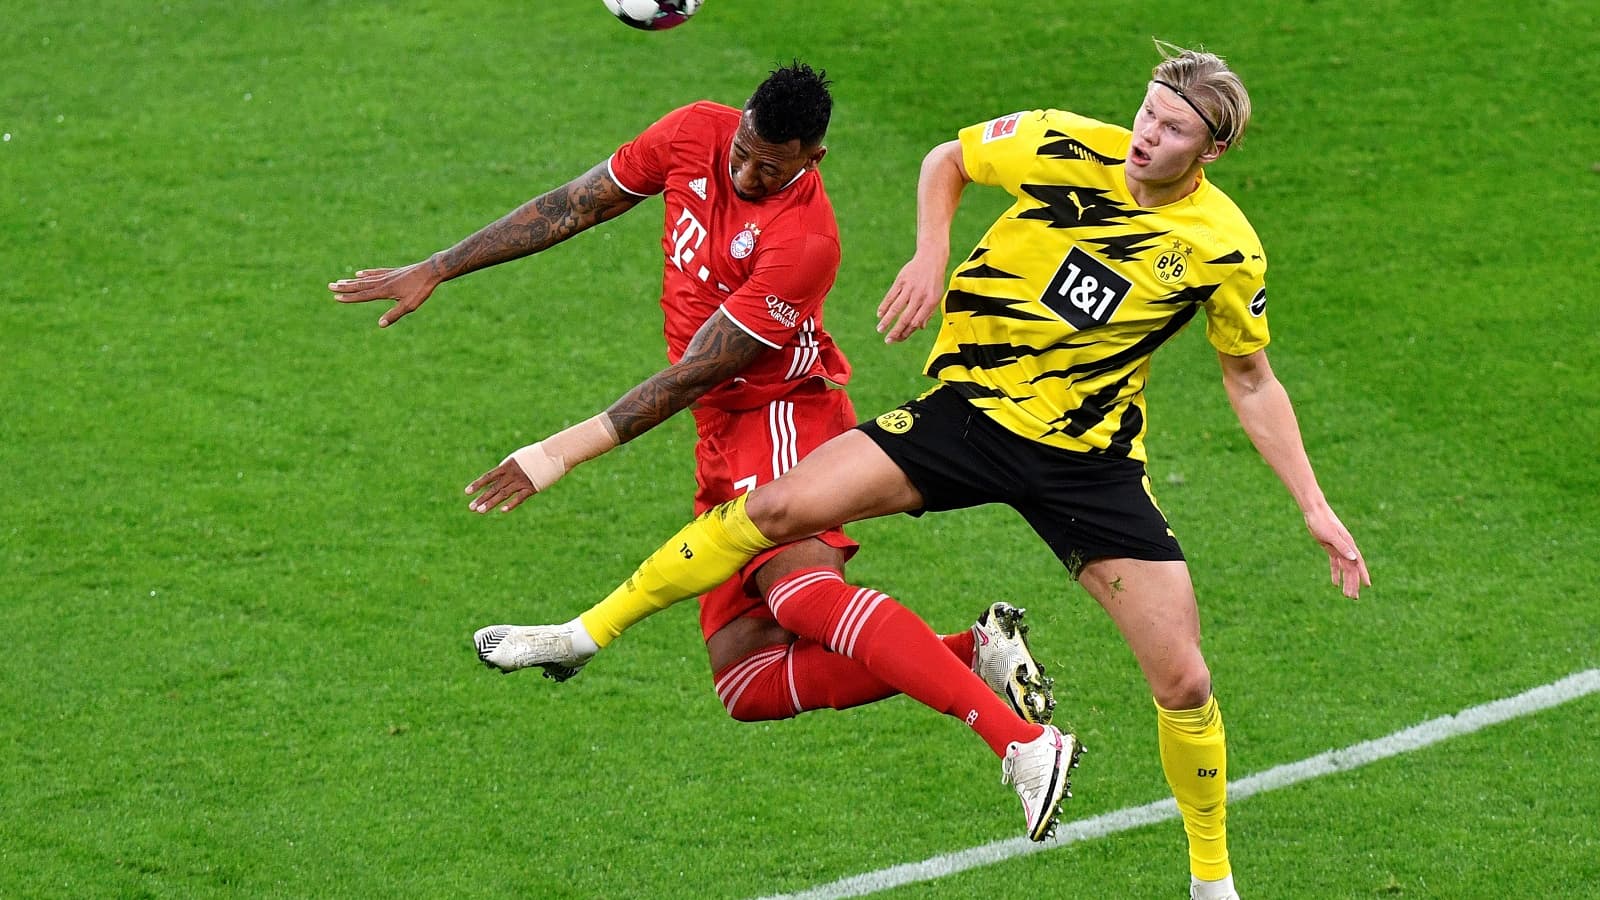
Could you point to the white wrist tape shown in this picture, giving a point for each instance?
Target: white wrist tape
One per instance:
(541, 468)
(545, 462)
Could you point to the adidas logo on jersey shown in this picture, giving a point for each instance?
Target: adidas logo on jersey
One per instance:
(698, 185)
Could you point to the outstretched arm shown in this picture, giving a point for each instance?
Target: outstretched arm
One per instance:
(542, 222)
(719, 350)
(918, 288)
(1264, 409)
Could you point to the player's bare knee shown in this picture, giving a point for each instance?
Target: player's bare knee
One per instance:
(807, 554)
(742, 637)
(772, 507)
(1186, 688)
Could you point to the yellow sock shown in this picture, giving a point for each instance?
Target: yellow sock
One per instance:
(1194, 755)
(704, 554)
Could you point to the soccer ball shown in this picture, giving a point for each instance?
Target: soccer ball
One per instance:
(653, 15)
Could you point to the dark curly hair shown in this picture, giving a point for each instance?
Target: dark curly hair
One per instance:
(793, 103)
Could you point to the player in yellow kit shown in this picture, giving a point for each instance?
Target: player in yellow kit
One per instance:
(1115, 242)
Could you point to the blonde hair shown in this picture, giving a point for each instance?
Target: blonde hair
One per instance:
(1206, 83)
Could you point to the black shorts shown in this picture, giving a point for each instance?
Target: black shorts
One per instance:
(1084, 505)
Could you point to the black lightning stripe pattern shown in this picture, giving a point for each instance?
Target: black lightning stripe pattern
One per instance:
(1062, 147)
(1075, 206)
(1093, 410)
(1121, 443)
(1097, 406)
(974, 391)
(984, 270)
(1194, 295)
(1125, 247)
(980, 356)
(956, 300)
(1131, 354)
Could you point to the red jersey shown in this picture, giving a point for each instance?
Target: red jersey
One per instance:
(767, 265)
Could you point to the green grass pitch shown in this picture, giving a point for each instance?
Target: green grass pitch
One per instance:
(238, 575)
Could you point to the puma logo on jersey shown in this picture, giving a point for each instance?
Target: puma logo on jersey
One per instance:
(698, 185)
(1085, 291)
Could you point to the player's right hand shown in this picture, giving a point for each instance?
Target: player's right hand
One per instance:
(505, 485)
(1345, 563)
(408, 286)
(912, 299)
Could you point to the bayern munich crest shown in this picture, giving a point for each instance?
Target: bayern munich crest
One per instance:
(744, 243)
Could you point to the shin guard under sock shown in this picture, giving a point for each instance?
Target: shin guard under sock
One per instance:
(896, 647)
(705, 553)
(1195, 758)
(784, 680)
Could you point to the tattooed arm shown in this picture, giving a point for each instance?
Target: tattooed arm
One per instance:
(719, 351)
(542, 222)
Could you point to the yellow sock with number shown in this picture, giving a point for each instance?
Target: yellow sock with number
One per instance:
(1194, 755)
(704, 554)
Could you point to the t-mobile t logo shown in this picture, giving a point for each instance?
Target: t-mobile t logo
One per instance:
(687, 237)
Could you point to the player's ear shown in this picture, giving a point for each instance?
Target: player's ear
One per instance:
(817, 155)
(1210, 156)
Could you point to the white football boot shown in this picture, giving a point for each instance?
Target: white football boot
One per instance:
(1221, 889)
(1040, 770)
(1001, 657)
(554, 648)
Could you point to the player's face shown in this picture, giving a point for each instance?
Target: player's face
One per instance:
(1169, 140)
(760, 169)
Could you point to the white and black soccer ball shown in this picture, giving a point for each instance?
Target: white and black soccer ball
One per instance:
(653, 15)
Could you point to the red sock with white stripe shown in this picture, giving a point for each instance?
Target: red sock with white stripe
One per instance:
(783, 680)
(897, 648)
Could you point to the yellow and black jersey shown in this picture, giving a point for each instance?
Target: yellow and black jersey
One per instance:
(1049, 325)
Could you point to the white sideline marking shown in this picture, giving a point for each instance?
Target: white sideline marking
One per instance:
(1414, 738)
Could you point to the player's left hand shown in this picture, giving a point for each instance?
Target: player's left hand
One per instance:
(505, 485)
(1345, 564)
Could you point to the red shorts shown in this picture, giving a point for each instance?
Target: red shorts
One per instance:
(739, 450)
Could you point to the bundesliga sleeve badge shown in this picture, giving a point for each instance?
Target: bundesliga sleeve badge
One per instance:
(1003, 127)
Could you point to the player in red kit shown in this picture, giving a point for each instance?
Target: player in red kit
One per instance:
(751, 249)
